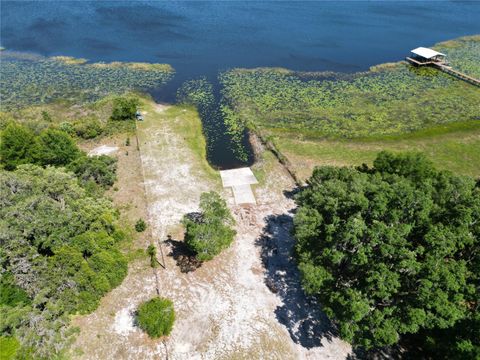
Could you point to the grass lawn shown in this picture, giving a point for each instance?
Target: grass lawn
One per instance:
(457, 150)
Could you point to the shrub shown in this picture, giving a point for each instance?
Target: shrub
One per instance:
(209, 232)
(100, 169)
(46, 117)
(124, 108)
(152, 252)
(67, 127)
(140, 225)
(88, 128)
(156, 317)
(390, 250)
(55, 147)
(16, 146)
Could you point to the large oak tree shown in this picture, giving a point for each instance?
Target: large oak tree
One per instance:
(392, 249)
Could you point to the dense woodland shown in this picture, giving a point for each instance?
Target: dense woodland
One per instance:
(60, 239)
(394, 250)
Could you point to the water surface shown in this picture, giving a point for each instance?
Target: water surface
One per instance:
(203, 38)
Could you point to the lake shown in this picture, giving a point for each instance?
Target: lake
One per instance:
(203, 38)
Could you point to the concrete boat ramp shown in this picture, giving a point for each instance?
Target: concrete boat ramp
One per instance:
(240, 180)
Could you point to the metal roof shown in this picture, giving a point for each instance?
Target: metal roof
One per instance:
(426, 52)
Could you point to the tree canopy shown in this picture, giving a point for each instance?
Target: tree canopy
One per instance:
(156, 317)
(210, 231)
(390, 250)
(16, 146)
(124, 108)
(99, 169)
(59, 255)
(55, 147)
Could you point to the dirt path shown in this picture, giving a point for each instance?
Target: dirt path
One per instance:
(225, 310)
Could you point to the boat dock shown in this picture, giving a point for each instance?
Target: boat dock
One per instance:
(427, 57)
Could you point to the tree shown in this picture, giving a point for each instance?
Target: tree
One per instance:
(156, 317)
(100, 169)
(55, 147)
(124, 108)
(59, 254)
(209, 232)
(390, 250)
(88, 128)
(16, 146)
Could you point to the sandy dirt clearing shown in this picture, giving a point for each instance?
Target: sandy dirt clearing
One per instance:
(244, 304)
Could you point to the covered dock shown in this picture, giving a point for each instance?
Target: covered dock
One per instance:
(424, 56)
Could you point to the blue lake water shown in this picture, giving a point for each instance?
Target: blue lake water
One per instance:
(203, 38)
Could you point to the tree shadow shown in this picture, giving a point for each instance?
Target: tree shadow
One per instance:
(290, 194)
(300, 314)
(184, 257)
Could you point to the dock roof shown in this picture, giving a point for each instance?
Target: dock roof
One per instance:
(426, 52)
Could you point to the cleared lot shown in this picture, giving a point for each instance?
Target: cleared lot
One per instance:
(244, 304)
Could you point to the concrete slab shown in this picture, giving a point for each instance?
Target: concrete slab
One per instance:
(235, 177)
(240, 180)
(243, 194)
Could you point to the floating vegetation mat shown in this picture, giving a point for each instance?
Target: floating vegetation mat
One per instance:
(389, 99)
(463, 54)
(27, 79)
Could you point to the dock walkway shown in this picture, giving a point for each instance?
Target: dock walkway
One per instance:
(442, 66)
(457, 74)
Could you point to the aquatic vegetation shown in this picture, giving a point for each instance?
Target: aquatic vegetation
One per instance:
(463, 54)
(28, 79)
(218, 127)
(389, 99)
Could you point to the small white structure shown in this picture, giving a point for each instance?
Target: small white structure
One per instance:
(240, 180)
(103, 150)
(425, 56)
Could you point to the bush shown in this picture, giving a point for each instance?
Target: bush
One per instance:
(88, 128)
(390, 250)
(209, 232)
(156, 317)
(16, 146)
(124, 108)
(152, 252)
(100, 169)
(140, 225)
(55, 147)
(46, 117)
(67, 127)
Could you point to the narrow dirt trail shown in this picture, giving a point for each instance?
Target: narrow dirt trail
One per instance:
(225, 310)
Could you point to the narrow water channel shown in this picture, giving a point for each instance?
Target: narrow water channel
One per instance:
(220, 152)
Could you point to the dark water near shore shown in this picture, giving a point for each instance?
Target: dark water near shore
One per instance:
(203, 38)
